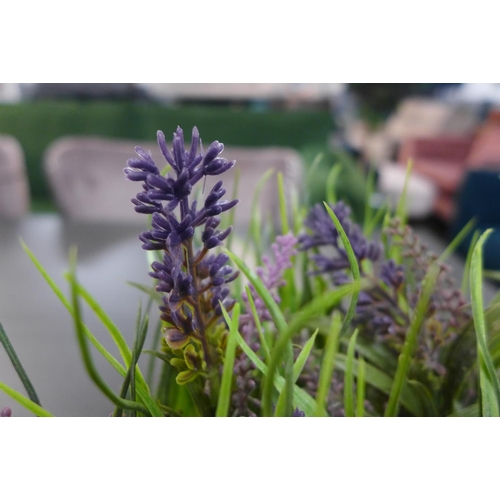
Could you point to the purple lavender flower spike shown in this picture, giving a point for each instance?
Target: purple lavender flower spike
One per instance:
(192, 281)
(298, 413)
(6, 412)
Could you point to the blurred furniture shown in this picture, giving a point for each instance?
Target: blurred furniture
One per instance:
(446, 159)
(87, 179)
(479, 197)
(442, 160)
(14, 194)
(418, 117)
(420, 195)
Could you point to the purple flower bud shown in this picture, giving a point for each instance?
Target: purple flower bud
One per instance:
(6, 412)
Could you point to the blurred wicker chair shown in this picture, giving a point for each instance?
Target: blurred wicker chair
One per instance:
(87, 179)
(14, 191)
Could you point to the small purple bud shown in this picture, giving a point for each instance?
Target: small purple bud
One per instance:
(6, 412)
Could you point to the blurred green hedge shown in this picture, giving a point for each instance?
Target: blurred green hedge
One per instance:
(37, 124)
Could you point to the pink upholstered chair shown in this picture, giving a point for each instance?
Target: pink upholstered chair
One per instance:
(14, 191)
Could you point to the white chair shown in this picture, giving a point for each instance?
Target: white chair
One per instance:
(14, 191)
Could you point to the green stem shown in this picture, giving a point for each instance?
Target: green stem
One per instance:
(9, 349)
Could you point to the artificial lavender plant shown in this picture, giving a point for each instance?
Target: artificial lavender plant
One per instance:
(192, 280)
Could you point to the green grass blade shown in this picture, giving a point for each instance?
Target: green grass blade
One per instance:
(24, 401)
(151, 292)
(333, 175)
(409, 346)
(488, 379)
(87, 359)
(353, 262)
(383, 382)
(379, 216)
(297, 370)
(469, 411)
(466, 274)
(143, 393)
(285, 228)
(16, 363)
(360, 388)
(303, 356)
(370, 189)
(227, 373)
(349, 377)
(328, 364)
(301, 398)
(455, 243)
(113, 330)
(492, 275)
(258, 326)
(401, 210)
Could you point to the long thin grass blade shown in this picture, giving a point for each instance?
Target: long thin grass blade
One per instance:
(258, 326)
(16, 363)
(143, 393)
(301, 398)
(383, 382)
(409, 346)
(297, 370)
(349, 377)
(488, 378)
(87, 360)
(229, 355)
(466, 274)
(24, 401)
(353, 262)
(457, 240)
(328, 364)
(360, 388)
(331, 180)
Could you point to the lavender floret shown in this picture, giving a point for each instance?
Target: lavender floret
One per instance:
(192, 282)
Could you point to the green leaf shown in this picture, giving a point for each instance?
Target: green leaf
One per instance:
(301, 398)
(459, 238)
(285, 228)
(470, 411)
(353, 262)
(360, 388)
(466, 273)
(87, 359)
(488, 379)
(258, 326)
(297, 370)
(383, 382)
(409, 346)
(24, 401)
(16, 363)
(333, 175)
(328, 364)
(349, 377)
(227, 372)
(143, 393)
